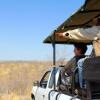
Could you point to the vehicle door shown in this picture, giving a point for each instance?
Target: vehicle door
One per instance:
(50, 87)
(40, 94)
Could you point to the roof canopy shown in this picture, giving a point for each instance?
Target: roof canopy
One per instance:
(81, 19)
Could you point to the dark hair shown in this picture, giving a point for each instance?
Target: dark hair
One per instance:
(81, 46)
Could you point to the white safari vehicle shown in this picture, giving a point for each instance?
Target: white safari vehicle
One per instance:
(44, 89)
(79, 28)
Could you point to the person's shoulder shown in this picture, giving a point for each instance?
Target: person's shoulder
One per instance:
(74, 58)
(80, 57)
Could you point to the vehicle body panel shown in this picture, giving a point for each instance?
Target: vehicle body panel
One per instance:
(41, 93)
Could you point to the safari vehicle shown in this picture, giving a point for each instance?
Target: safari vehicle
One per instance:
(48, 87)
(44, 90)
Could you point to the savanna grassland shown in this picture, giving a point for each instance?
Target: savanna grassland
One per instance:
(16, 78)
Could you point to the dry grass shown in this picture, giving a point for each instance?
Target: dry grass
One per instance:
(16, 78)
(13, 96)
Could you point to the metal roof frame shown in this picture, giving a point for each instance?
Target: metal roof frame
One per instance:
(81, 19)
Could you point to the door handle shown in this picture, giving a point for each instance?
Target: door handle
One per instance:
(43, 96)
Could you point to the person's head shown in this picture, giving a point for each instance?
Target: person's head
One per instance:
(80, 49)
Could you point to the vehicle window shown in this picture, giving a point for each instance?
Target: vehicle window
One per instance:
(44, 81)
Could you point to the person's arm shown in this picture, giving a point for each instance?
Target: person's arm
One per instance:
(68, 69)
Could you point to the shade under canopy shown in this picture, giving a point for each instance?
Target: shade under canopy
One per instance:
(81, 19)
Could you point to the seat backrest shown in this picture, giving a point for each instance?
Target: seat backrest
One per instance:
(91, 69)
(91, 73)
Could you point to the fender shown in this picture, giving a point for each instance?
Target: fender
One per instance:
(50, 93)
(58, 95)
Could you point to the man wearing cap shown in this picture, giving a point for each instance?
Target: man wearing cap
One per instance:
(70, 68)
(79, 52)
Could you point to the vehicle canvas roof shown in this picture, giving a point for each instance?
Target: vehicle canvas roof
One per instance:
(81, 19)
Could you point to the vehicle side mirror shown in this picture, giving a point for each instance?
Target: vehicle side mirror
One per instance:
(36, 83)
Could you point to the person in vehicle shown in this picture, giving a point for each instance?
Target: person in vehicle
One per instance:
(69, 69)
(86, 34)
(79, 52)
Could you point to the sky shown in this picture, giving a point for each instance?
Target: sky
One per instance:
(24, 24)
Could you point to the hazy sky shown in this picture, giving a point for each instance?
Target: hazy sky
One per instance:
(25, 23)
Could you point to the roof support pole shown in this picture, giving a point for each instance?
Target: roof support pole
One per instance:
(54, 54)
(54, 59)
(54, 49)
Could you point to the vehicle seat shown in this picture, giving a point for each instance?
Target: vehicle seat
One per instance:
(91, 73)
